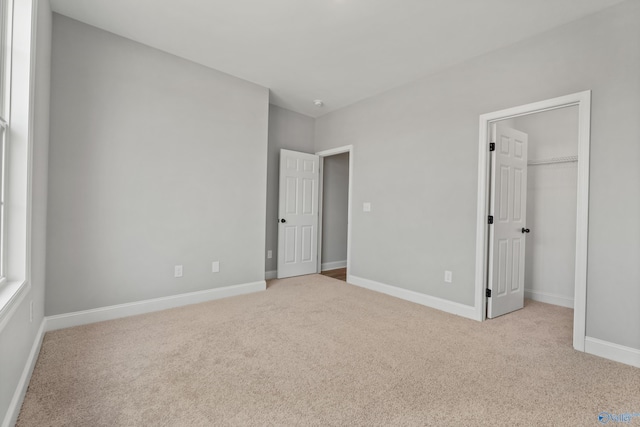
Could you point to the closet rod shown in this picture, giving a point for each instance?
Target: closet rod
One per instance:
(566, 159)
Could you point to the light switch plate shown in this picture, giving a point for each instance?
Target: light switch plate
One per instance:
(448, 276)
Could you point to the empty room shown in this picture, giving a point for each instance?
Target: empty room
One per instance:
(437, 221)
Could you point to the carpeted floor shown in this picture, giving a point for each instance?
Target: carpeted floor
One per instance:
(316, 351)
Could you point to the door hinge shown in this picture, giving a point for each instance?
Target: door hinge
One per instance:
(490, 219)
(492, 146)
(488, 293)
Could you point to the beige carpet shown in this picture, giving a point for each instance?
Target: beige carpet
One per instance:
(317, 351)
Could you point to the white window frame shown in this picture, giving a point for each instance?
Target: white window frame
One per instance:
(6, 33)
(4, 128)
(19, 118)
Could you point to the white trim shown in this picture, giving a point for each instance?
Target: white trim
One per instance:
(583, 101)
(549, 298)
(334, 151)
(416, 297)
(5, 109)
(333, 265)
(11, 296)
(582, 222)
(18, 159)
(320, 229)
(18, 396)
(611, 351)
(327, 153)
(32, 120)
(147, 306)
(271, 274)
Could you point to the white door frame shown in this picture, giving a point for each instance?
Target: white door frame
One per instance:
(583, 101)
(323, 154)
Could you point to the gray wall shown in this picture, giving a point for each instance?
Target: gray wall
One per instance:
(551, 202)
(17, 337)
(155, 161)
(335, 207)
(291, 131)
(417, 152)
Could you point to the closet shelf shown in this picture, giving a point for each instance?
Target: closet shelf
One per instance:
(552, 160)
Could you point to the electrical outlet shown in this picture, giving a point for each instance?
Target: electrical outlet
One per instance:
(269, 254)
(366, 207)
(215, 267)
(177, 271)
(448, 276)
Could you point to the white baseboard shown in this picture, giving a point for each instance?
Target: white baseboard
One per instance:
(422, 299)
(549, 298)
(268, 275)
(611, 351)
(18, 396)
(325, 266)
(77, 318)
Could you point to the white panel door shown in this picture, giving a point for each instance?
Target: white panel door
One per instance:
(298, 214)
(508, 207)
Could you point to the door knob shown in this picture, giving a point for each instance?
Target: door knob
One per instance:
(283, 220)
(525, 230)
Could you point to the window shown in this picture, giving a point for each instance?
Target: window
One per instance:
(5, 55)
(17, 62)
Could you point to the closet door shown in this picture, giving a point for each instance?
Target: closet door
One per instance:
(509, 210)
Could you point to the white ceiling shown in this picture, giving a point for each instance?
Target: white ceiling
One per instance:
(340, 51)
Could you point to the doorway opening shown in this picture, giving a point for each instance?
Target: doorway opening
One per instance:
(532, 198)
(334, 196)
(334, 241)
(497, 248)
(300, 212)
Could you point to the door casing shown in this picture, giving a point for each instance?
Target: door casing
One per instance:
(583, 101)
